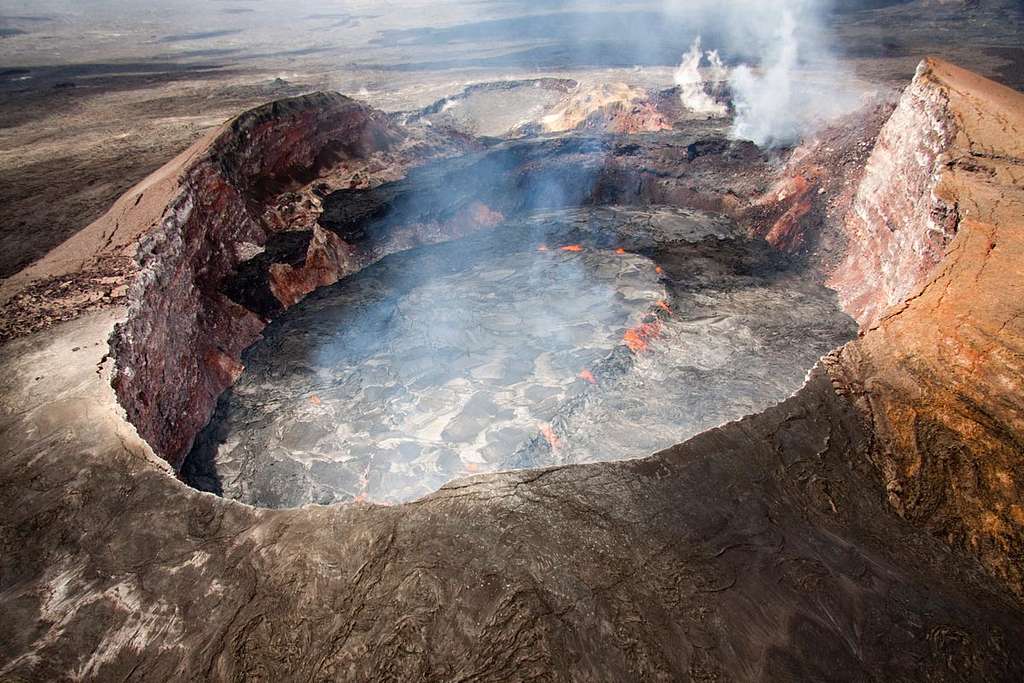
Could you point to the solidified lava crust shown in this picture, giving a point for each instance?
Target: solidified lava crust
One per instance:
(469, 357)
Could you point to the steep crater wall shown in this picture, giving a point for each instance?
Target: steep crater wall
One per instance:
(935, 274)
(179, 347)
(900, 223)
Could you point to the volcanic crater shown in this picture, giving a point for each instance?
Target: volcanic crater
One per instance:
(520, 301)
(322, 303)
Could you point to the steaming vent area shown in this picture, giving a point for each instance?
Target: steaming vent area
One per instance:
(567, 336)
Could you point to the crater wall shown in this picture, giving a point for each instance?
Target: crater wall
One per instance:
(900, 221)
(179, 346)
(935, 273)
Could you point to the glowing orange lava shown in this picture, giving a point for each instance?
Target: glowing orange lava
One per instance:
(663, 305)
(620, 250)
(573, 247)
(552, 438)
(587, 376)
(639, 338)
(542, 247)
(658, 270)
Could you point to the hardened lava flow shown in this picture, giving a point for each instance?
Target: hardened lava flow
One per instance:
(423, 361)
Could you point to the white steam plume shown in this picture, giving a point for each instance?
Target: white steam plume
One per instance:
(692, 90)
(790, 81)
(766, 110)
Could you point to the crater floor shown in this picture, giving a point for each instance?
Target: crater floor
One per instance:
(573, 336)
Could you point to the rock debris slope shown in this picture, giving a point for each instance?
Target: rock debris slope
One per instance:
(864, 529)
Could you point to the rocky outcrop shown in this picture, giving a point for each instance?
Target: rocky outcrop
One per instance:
(939, 375)
(327, 259)
(900, 223)
(180, 345)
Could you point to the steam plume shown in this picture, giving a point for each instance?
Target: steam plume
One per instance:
(779, 45)
(766, 110)
(691, 82)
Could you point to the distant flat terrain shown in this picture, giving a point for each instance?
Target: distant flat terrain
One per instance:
(95, 98)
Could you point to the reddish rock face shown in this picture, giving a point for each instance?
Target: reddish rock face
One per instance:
(938, 376)
(179, 347)
(804, 211)
(899, 225)
(328, 259)
(785, 233)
